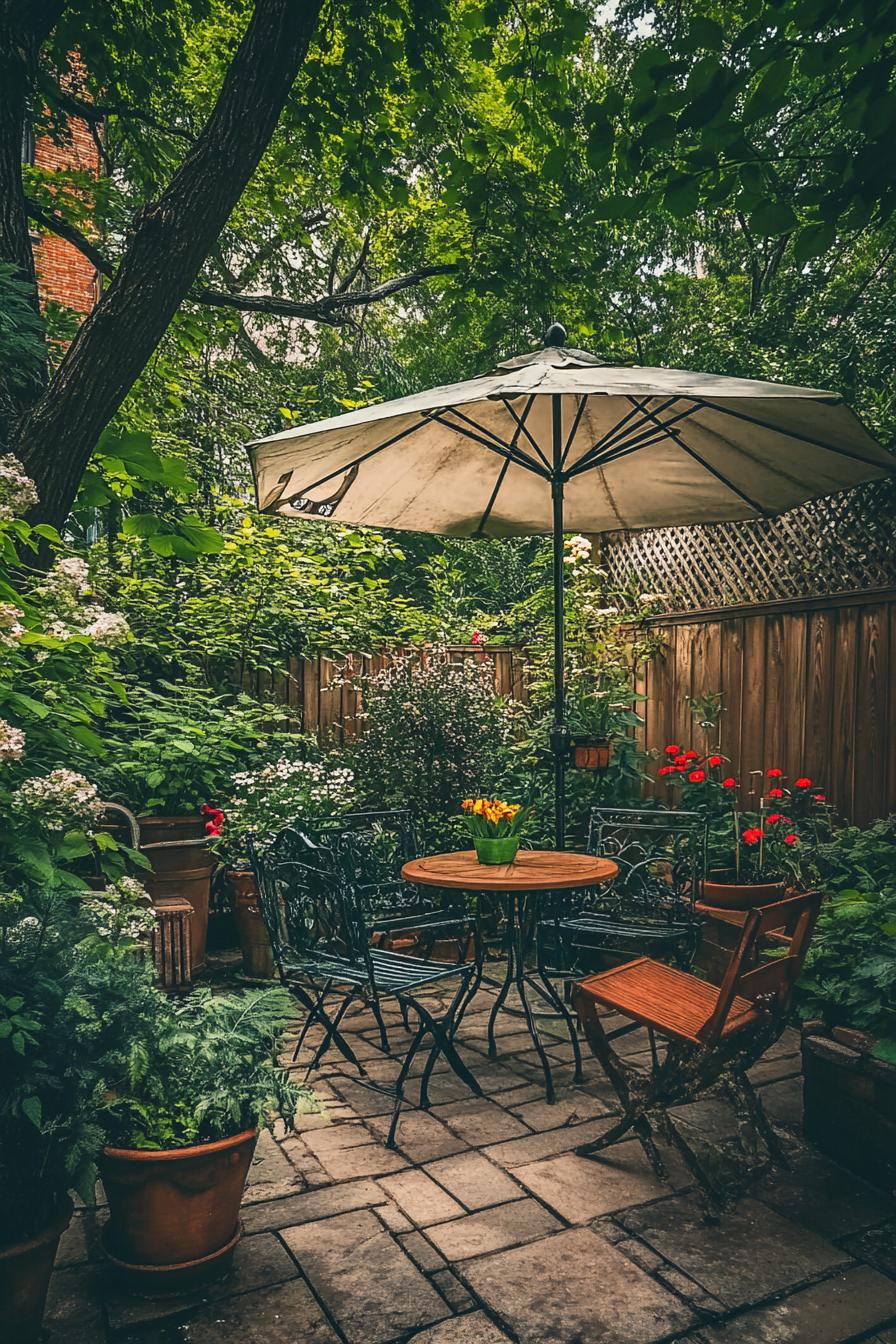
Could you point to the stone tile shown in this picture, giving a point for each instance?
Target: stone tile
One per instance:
(282, 1315)
(825, 1197)
(770, 1069)
(580, 1190)
(570, 1109)
(74, 1306)
(367, 1159)
(421, 1251)
(453, 1291)
(420, 1136)
(519, 1152)
(840, 1308)
(393, 1219)
(473, 1328)
(373, 1290)
(420, 1198)
(783, 1103)
(480, 1121)
(271, 1174)
(335, 1138)
(311, 1206)
(474, 1181)
(575, 1288)
(750, 1254)
(258, 1262)
(493, 1229)
(877, 1246)
(363, 1100)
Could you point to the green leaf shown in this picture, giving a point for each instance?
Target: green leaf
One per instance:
(811, 241)
(770, 93)
(31, 1108)
(682, 196)
(773, 218)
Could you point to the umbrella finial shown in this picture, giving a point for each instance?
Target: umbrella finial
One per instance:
(556, 334)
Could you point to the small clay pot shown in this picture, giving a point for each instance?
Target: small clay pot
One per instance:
(727, 895)
(255, 945)
(592, 755)
(174, 1213)
(25, 1269)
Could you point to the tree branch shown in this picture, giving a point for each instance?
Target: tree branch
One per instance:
(49, 219)
(327, 309)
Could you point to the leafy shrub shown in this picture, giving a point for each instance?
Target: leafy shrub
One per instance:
(203, 1069)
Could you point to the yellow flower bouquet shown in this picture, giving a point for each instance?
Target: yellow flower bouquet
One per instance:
(496, 827)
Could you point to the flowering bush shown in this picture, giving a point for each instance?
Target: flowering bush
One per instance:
(287, 792)
(773, 841)
(62, 800)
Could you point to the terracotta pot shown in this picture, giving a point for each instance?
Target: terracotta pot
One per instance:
(255, 945)
(740, 895)
(174, 1213)
(25, 1269)
(183, 872)
(593, 754)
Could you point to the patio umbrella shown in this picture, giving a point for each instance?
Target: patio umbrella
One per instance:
(559, 440)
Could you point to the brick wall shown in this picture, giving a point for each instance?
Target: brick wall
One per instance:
(63, 274)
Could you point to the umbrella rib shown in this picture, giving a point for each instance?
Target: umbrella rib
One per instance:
(580, 410)
(792, 434)
(371, 452)
(503, 450)
(505, 465)
(521, 425)
(614, 445)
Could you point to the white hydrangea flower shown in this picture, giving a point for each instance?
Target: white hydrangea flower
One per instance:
(17, 491)
(108, 629)
(11, 627)
(12, 742)
(63, 798)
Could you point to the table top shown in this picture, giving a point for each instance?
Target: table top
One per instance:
(531, 870)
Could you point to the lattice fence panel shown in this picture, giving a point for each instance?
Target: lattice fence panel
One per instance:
(842, 543)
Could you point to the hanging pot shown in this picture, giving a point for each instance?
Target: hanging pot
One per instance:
(25, 1269)
(174, 1213)
(721, 889)
(181, 869)
(255, 945)
(591, 753)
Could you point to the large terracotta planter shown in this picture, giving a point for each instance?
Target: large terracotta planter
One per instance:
(255, 945)
(25, 1269)
(185, 872)
(740, 895)
(174, 1214)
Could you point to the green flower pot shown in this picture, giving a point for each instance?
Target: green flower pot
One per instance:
(496, 850)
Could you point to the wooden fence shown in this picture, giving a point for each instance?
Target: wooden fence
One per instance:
(808, 685)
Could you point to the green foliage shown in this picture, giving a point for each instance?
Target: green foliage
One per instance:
(202, 1069)
(175, 748)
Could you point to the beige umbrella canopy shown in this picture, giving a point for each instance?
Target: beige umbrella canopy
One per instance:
(558, 440)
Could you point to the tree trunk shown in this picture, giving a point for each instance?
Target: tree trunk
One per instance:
(169, 241)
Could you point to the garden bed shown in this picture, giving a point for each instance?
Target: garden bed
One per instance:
(850, 1101)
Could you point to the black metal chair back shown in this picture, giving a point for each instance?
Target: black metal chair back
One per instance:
(661, 857)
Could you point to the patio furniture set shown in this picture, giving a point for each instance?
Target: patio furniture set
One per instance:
(355, 917)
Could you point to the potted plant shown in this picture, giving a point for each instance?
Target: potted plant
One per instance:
(289, 791)
(599, 712)
(181, 1123)
(847, 998)
(67, 967)
(496, 828)
(751, 856)
(171, 757)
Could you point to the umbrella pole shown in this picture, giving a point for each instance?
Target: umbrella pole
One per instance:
(559, 735)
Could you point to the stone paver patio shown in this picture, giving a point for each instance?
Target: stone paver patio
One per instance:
(484, 1227)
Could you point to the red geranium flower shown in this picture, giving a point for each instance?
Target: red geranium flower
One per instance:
(681, 760)
(774, 774)
(752, 835)
(819, 797)
(680, 769)
(729, 783)
(804, 782)
(775, 816)
(476, 637)
(206, 809)
(691, 755)
(673, 749)
(791, 839)
(665, 770)
(713, 760)
(775, 793)
(213, 828)
(697, 776)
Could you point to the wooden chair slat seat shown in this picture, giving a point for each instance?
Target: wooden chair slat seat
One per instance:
(672, 1002)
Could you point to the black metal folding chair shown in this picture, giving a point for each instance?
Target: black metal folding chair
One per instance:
(646, 910)
(320, 939)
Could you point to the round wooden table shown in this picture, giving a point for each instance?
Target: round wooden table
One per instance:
(534, 872)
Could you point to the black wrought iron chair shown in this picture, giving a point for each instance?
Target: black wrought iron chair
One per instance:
(646, 910)
(370, 847)
(319, 934)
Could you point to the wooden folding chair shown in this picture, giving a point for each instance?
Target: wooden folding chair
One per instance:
(712, 1035)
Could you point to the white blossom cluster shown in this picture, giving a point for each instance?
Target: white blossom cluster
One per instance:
(17, 492)
(63, 589)
(107, 629)
(577, 550)
(12, 742)
(11, 627)
(63, 799)
(121, 910)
